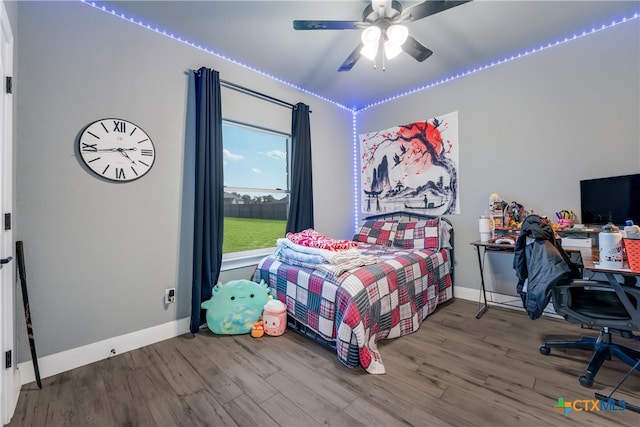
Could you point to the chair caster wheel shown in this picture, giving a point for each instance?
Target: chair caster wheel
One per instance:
(544, 350)
(585, 381)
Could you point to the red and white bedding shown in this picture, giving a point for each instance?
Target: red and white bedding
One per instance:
(358, 307)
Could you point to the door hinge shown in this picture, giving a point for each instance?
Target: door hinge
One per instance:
(8, 84)
(7, 359)
(7, 221)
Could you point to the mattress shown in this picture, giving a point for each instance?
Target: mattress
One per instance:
(359, 307)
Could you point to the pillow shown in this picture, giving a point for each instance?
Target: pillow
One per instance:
(418, 234)
(312, 239)
(234, 306)
(445, 235)
(376, 232)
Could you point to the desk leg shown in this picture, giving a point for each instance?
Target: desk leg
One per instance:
(622, 404)
(626, 406)
(485, 307)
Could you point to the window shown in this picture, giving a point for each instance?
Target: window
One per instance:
(256, 186)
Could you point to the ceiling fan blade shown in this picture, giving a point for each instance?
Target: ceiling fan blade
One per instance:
(351, 59)
(326, 25)
(416, 49)
(427, 8)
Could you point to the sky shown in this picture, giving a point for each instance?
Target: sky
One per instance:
(254, 158)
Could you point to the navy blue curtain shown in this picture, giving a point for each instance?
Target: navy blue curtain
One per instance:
(209, 192)
(301, 205)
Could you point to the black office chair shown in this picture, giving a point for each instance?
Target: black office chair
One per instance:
(597, 304)
(612, 307)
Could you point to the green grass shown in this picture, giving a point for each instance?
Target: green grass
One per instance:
(243, 234)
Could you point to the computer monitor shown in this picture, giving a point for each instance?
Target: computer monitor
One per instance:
(610, 200)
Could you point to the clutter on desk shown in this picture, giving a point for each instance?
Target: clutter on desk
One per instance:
(632, 249)
(496, 210)
(505, 216)
(631, 242)
(565, 218)
(610, 246)
(506, 240)
(514, 214)
(631, 231)
(485, 227)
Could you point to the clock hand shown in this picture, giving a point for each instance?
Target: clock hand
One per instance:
(111, 149)
(123, 152)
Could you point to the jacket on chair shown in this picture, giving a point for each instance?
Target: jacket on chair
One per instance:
(540, 264)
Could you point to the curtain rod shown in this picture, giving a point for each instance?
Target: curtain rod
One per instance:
(255, 93)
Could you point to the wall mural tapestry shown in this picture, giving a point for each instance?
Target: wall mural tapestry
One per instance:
(411, 168)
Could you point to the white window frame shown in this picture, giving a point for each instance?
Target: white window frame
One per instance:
(236, 260)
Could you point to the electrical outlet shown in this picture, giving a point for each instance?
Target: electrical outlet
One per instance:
(170, 295)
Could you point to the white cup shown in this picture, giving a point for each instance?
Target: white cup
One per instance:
(484, 226)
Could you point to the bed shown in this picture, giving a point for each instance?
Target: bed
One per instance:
(406, 272)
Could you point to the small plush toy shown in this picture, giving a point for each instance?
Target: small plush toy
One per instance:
(274, 318)
(235, 306)
(258, 330)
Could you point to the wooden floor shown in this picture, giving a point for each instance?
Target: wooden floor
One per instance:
(455, 371)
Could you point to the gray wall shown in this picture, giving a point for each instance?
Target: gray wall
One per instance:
(99, 255)
(531, 129)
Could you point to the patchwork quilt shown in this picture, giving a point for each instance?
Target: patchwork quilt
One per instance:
(362, 306)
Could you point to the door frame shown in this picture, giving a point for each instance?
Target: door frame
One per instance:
(9, 377)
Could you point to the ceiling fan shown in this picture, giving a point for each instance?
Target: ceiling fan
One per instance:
(383, 20)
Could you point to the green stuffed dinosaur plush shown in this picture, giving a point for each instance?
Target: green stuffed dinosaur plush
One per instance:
(235, 305)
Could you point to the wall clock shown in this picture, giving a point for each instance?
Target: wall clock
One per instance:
(116, 149)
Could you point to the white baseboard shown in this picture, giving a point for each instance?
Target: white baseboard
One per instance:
(501, 300)
(70, 359)
(466, 293)
(475, 295)
(80, 356)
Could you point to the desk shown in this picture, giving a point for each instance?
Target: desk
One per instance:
(588, 256)
(481, 249)
(590, 259)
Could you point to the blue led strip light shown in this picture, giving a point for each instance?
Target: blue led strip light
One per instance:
(356, 175)
(355, 111)
(207, 50)
(576, 36)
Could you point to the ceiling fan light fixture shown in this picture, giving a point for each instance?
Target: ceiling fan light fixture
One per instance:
(391, 50)
(371, 35)
(370, 51)
(397, 34)
(370, 39)
(383, 19)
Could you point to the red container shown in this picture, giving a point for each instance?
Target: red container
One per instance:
(632, 248)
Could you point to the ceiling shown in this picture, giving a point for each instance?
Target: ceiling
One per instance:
(260, 34)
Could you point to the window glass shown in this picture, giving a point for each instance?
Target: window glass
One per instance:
(256, 193)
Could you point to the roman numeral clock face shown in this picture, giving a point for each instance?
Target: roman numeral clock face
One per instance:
(116, 149)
